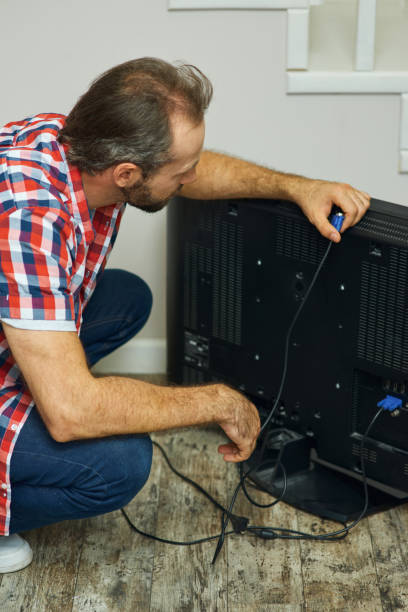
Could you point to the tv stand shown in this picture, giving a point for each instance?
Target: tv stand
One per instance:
(312, 487)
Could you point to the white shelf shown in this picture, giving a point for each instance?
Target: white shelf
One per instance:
(333, 30)
(404, 122)
(332, 35)
(403, 161)
(391, 45)
(365, 41)
(237, 4)
(298, 39)
(321, 81)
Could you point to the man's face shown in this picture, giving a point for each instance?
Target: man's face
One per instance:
(152, 194)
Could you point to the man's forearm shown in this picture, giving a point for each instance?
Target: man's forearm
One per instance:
(75, 405)
(115, 405)
(118, 405)
(221, 176)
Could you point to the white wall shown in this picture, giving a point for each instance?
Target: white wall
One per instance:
(52, 49)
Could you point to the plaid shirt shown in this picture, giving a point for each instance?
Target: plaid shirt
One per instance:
(52, 249)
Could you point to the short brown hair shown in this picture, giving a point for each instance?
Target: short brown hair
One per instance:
(124, 115)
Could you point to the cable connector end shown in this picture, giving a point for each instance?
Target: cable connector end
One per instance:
(390, 403)
(267, 534)
(239, 523)
(336, 219)
(217, 550)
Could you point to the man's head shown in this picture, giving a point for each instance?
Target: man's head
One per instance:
(144, 117)
(152, 193)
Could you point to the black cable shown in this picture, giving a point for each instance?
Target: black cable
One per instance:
(153, 537)
(187, 479)
(239, 523)
(289, 333)
(264, 532)
(275, 405)
(277, 500)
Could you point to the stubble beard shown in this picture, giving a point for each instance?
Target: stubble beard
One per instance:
(140, 196)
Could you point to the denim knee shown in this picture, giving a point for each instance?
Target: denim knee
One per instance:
(73, 480)
(128, 471)
(136, 292)
(117, 310)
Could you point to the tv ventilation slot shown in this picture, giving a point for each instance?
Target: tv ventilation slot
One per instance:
(227, 281)
(383, 322)
(298, 240)
(368, 454)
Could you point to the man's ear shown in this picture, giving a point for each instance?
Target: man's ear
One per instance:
(126, 174)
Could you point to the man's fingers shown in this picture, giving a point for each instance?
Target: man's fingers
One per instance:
(363, 201)
(318, 197)
(241, 424)
(234, 454)
(346, 200)
(354, 204)
(230, 452)
(327, 229)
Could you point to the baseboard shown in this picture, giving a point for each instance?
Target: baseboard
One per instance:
(138, 356)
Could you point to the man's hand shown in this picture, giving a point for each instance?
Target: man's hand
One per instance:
(242, 426)
(316, 198)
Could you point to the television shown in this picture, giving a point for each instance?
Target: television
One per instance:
(237, 271)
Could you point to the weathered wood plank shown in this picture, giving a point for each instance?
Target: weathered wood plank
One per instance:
(49, 582)
(183, 577)
(116, 563)
(390, 545)
(338, 575)
(263, 574)
(400, 515)
(269, 608)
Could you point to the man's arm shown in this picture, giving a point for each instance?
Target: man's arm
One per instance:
(221, 176)
(74, 404)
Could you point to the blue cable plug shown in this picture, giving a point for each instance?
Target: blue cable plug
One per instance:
(336, 219)
(390, 403)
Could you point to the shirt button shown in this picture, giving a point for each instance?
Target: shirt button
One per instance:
(4, 486)
(14, 427)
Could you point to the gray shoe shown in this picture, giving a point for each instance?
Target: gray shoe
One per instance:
(15, 553)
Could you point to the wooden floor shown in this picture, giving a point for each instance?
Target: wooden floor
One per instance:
(100, 564)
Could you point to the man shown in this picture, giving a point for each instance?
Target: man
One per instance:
(72, 445)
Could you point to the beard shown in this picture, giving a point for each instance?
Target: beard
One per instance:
(140, 196)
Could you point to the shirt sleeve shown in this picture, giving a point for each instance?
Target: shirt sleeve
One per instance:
(36, 255)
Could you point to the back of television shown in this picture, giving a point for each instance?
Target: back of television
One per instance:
(237, 272)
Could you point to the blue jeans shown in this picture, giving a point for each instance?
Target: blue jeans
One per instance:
(53, 481)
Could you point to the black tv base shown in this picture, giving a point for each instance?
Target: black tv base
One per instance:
(312, 487)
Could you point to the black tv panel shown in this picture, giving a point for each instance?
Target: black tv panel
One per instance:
(237, 272)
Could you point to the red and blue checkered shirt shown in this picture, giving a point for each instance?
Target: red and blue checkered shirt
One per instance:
(52, 249)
